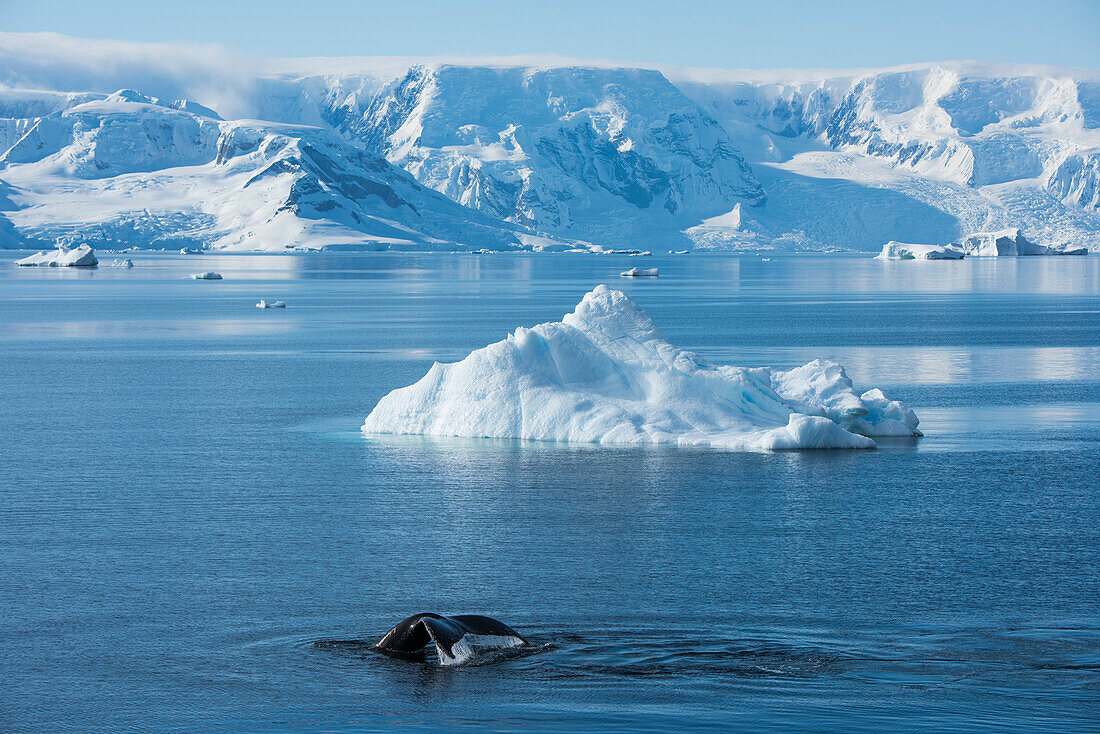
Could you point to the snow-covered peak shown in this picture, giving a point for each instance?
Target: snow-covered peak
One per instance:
(193, 180)
(186, 105)
(563, 150)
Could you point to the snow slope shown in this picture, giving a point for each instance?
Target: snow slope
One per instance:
(608, 155)
(129, 170)
(605, 374)
(536, 152)
(927, 153)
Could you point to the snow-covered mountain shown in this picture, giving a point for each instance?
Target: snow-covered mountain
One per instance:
(503, 154)
(916, 152)
(129, 169)
(600, 154)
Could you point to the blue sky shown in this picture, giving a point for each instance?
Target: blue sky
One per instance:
(685, 32)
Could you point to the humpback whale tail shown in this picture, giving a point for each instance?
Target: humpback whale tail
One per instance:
(457, 639)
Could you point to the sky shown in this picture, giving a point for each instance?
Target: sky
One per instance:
(762, 34)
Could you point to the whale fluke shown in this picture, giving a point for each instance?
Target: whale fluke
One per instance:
(457, 639)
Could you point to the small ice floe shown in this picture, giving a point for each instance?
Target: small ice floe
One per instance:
(765, 259)
(907, 251)
(127, 263)
(643, 253)
(81, 257)
(190, 251)
(678, 252)
(273, 304)
(210, 275)
(639, 273)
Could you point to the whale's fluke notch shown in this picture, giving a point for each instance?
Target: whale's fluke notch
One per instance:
(457, 639)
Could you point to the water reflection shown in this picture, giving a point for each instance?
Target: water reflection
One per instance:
(930, 365)
(713, 273)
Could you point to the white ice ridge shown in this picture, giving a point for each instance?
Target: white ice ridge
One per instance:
(605, 374)
(908, 251)
(1008, 242)
(82, 256)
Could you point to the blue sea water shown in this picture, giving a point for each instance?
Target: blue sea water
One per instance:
(187, 506)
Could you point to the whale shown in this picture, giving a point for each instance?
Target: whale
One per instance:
(457, 639)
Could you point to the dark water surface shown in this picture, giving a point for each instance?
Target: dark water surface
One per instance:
(187, 506)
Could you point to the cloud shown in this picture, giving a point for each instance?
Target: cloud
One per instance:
(213, 75)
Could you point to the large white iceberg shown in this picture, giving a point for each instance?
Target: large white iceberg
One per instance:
(907, 251)
(1007, 242)
(82, 256)
(606, 374)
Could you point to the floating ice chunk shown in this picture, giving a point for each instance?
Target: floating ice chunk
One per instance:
(643, 253)
(82, 256)
(1000, 243)
(273, 304)
(190, 251)
(908, 251)
(605, 374)
(823, 388)
(678, 252)
(886, 417)
(127, 263)
(639, 273)
(210, 275)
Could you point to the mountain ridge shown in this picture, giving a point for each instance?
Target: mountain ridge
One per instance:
(599, 155)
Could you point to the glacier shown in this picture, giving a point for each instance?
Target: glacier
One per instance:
(528, 154)
(605, 374)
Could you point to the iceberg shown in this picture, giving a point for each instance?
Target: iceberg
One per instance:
(273, 304)
(906, 251)
(640, 273)
(127, 263)
(605, 374)
(206, 276)
(1007, 242)
(82, 256)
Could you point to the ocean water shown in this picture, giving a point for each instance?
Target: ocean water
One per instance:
(188, 509)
